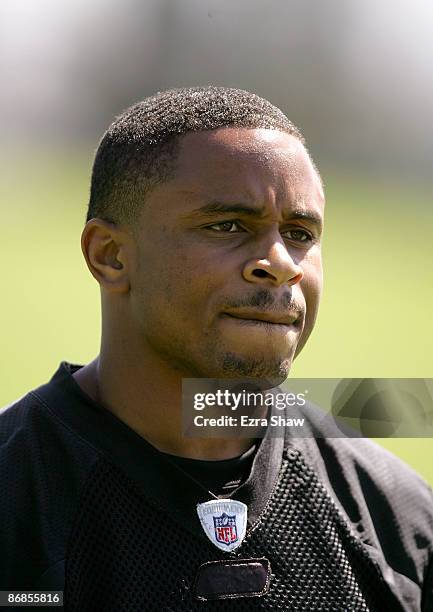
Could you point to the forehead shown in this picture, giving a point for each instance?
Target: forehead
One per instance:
(248, 163)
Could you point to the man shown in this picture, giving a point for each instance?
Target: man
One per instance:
(204, 232)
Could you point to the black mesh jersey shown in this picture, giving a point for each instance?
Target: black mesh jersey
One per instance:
(90, 508)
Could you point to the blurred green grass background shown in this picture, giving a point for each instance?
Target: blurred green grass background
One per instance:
(376, 315)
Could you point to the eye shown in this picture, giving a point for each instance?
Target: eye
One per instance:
(226, 226)
(299, 235)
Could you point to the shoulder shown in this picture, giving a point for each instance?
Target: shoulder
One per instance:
(353, 463)
(30, 427)
(22, 424)
(389, 506)
(43, 466)
(378, 473)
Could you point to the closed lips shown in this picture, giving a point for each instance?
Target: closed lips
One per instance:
(265, 317)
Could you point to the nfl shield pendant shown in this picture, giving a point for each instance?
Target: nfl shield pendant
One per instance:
(224, 522)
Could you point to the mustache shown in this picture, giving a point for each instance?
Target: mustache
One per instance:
(266, 300)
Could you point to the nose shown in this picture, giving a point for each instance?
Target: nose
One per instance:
(278, 268)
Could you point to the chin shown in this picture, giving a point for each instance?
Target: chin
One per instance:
(271, 372)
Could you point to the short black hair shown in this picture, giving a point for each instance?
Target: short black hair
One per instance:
(139, 148)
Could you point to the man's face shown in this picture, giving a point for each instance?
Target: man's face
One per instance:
(228, 272)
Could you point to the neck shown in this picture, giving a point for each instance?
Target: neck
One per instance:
(146, 394)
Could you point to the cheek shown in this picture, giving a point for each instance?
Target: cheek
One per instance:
(160, 266)
(161, 291)
(172, 287)
(312, 285)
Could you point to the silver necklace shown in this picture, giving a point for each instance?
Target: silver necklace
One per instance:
(224, 521)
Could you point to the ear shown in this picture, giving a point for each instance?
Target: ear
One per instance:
(105, 248)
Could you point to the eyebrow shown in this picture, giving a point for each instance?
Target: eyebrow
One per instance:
(215, 208)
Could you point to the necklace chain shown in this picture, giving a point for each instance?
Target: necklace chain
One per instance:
(201, 485)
